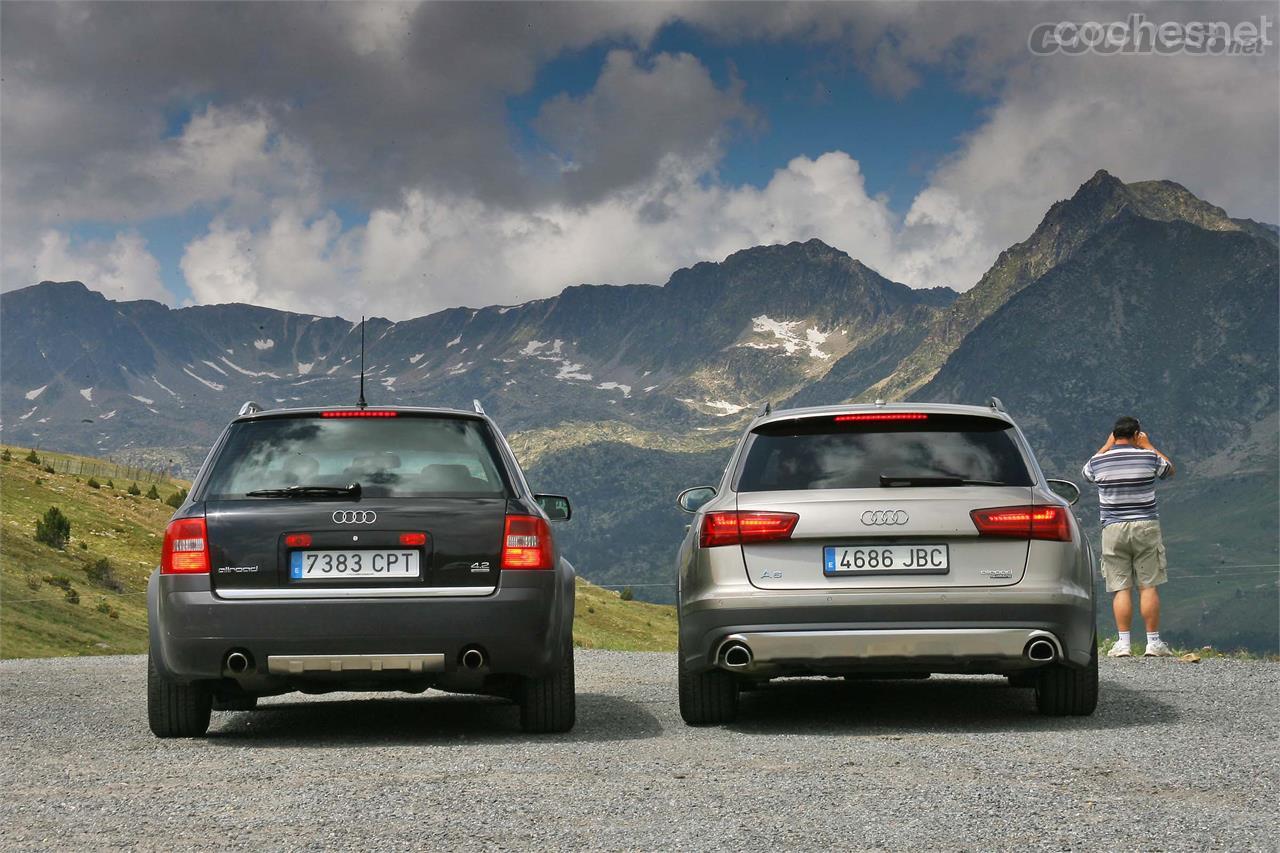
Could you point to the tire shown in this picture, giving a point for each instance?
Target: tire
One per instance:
(547, 703)
(707, 698)
(236, 703)
(175, 709)
(1066, 691)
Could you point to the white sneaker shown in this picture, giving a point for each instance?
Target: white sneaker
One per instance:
(1120, 650)
(1158, 649)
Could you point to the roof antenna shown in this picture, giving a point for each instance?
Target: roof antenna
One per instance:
(361, 403)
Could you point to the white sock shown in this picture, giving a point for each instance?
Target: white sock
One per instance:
(1153, 637)
(1124, 638)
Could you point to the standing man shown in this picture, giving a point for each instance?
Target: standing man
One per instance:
(1125, 471)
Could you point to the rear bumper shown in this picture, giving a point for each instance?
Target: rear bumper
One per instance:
(954, 631)
(947, 648)
(522, 627)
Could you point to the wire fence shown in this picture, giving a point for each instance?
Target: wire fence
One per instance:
(109, 468)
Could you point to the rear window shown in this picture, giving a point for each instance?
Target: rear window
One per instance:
(820, 453)
(402, 457)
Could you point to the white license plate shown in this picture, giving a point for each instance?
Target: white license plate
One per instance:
(353, 565)
(905, 559)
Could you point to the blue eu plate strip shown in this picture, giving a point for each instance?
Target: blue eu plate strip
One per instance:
(295, 564)
(829, 560)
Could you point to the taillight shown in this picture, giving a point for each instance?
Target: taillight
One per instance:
(526, 543)
(1024, 522)
(186, 548)
(297, 540)
(358, 413)
(742, 527)
(413, 540)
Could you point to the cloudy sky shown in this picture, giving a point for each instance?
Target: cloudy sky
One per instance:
(399, 158)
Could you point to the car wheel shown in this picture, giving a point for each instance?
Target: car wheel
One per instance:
(548, 703)
(1066, 691)
(235, 703)
(175, 709)
(707, 698)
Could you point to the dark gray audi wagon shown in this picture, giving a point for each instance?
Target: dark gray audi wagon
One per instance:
(360, 549)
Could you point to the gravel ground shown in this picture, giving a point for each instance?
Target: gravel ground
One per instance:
(1178, 757)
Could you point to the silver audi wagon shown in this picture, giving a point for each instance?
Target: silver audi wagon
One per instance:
(884, 541)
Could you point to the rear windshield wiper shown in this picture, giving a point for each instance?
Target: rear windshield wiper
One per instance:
(891, 481)
(352, 491)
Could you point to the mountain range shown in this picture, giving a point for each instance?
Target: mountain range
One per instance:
(1132, 298)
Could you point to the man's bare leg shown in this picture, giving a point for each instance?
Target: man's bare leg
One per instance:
(1149, 603)
(1122, 605)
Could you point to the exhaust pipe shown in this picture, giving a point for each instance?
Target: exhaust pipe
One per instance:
(237, 663)
(1041, 651)
(473, 658)
(737, 656)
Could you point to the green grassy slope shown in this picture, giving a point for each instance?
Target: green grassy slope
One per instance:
(39, 619)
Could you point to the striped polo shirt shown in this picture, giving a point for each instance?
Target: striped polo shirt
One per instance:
(1126, 479)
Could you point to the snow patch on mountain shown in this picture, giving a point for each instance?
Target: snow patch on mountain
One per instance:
(414, 359)
(28, 414)
(304, 367)
(163, 386)
(144, 400)
(788, 337)
(454, 342)
(205, 382)
(108, 416)
(533, 347)
(569, 371)
(238, 369)
(263, 343)
(35, 392)
(610, 386)
(214, 366)
(87, 393)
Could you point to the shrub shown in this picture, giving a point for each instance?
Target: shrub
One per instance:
(39, 481)
(175, 500)
(6, 455)
(72, 596)
(110, 484)
(33, 582)
(84, 546)
(93, 483)
(60, 581)
(104, 607)
(101, 572)
(152, 493)
(48, 469)
(627, 593)
(134, 490)
(33, 458)
(54, 529)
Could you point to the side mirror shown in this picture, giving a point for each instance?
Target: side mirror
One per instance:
(692, 500)
(555, 506)
(1065, 489)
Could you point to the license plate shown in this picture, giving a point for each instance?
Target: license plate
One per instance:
(891, 559)
(353, 565)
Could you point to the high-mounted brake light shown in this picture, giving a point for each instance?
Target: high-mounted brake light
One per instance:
(186, 548)
(526, 543)
(358, 413)
(882, 416)
(1024, 522)
(413, 540)
(744, 528)
(297, 540)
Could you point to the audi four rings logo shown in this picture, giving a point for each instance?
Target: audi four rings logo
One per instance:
(355, 516)
(885, 516)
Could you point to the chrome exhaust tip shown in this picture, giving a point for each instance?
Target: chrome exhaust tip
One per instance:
(237, 663)
(473, 659)
(737, 656)
(1041, 651)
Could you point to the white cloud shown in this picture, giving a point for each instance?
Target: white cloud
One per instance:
(121, 268)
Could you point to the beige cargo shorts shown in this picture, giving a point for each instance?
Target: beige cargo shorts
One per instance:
(1133, 552)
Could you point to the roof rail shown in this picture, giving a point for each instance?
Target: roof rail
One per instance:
(249, 408)
(995, 404)
(475, 404)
